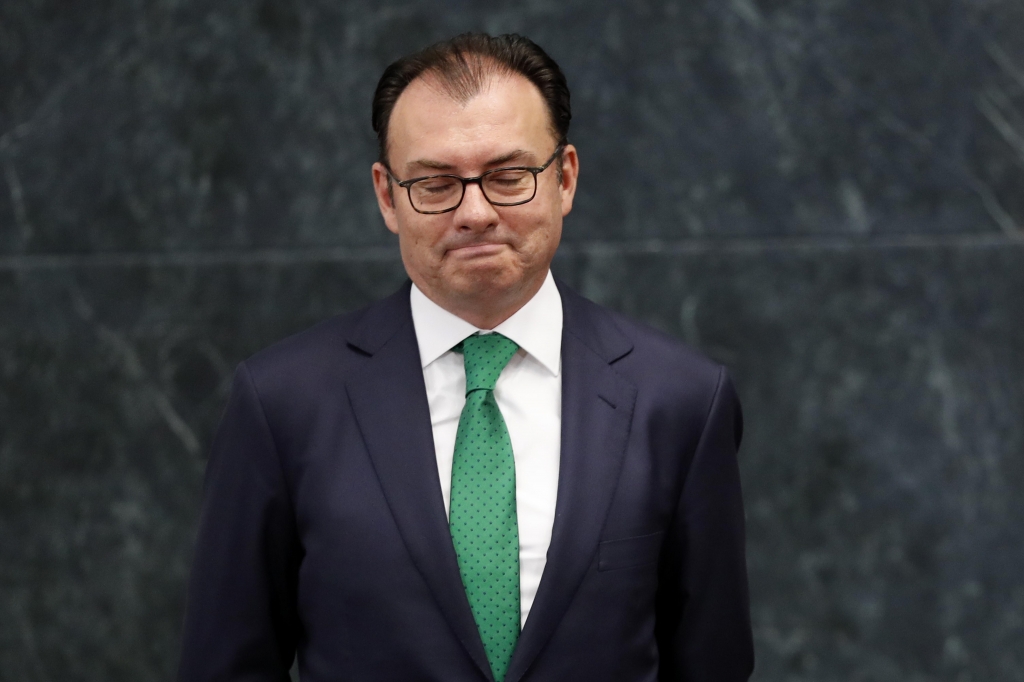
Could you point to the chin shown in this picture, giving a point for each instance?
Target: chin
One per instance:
(482, 281)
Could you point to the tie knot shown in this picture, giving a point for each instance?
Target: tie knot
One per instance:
(485, 356)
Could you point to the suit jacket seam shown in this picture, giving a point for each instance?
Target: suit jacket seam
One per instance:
(611, 364)
(696, 448)
(269, 433)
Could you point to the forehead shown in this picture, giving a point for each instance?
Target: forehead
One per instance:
(429, 123)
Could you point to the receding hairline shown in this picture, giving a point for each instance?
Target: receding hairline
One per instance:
(464, 76)
(461, 64)
(485, 73)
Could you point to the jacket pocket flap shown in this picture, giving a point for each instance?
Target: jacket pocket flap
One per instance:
(628, 552)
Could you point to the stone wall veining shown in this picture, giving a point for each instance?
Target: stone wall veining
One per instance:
(828, 197)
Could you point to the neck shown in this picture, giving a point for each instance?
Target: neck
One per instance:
(486, 311)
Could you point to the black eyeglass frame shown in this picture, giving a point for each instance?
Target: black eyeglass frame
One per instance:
(535, 170)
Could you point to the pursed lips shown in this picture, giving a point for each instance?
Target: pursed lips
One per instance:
(476, 249)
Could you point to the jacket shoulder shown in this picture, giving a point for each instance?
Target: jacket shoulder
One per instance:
(656, 347)
(329, 351)
(324, 340)
(641, 352)
(671, 378)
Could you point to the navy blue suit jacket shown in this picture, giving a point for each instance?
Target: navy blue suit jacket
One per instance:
(323, 529)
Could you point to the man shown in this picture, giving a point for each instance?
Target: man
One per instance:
(483, 476)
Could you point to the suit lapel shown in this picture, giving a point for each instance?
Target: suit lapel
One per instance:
(390, 405)
(597, 411)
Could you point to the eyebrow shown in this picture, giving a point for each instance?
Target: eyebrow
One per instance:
(430, 164)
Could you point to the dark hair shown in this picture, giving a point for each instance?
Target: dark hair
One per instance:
(462, 66)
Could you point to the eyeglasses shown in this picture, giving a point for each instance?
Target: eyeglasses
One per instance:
(511, 186)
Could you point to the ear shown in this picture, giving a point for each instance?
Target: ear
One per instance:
(570, 174)
(385, 196)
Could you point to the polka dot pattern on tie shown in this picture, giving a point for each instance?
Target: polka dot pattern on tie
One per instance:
(482, 513)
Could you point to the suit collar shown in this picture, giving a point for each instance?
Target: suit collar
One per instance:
(389, 403)
(381, 321)
(597, 413)
(536, 327)
(593, 326)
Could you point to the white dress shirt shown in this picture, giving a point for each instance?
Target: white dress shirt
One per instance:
(529, 395)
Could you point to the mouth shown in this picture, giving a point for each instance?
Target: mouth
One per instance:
(479, 250)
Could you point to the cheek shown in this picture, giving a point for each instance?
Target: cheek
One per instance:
(421, 250)
(419, 238)
(544, 226)
(538, 240)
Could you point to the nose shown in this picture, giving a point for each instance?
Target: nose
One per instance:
(475, 212)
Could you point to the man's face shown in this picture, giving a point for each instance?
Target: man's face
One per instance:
(478, 254)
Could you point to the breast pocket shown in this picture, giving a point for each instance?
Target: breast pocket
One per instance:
(640, 550)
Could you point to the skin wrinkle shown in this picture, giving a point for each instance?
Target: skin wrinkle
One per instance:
(480, 262)
(519, 157)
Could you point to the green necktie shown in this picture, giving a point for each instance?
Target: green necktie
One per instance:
(482, 516)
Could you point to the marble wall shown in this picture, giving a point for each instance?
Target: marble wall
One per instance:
(826, 196)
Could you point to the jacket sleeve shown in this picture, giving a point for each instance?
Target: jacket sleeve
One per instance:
(240, 617)
(703, 620)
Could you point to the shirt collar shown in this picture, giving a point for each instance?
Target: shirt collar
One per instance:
(536, 327)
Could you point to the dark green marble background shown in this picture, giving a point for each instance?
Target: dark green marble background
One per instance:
(826, 195)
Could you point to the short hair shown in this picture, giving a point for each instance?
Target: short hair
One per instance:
(462, 66)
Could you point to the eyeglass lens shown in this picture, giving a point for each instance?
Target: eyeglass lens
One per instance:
(499, 187)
